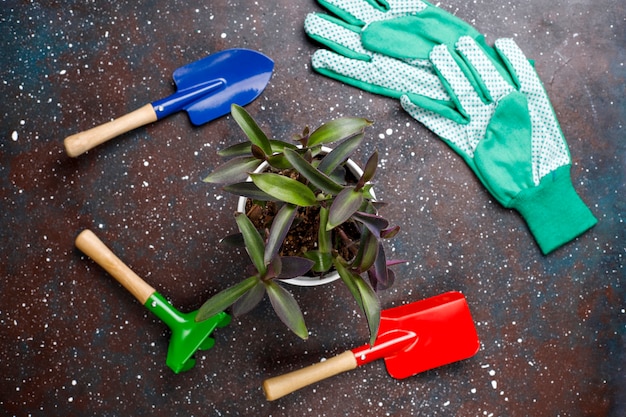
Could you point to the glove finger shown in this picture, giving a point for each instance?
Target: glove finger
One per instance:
(447, 129)
(355, 12)
(362, 12)
(336, 35)
(381, 75)
(461, 90)
(493, 84)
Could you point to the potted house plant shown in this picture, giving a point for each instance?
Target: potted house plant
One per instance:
(304, 193)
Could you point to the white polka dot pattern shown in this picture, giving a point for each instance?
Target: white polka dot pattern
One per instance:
(548, 147)
(401, 77)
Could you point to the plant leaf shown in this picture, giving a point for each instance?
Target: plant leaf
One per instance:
(322, 261)
(251, 128)
(235, 170)
(371, 306)
(234, 240)
(345, 205)
(317, 178)
(389, 233)
(250, 190)
(337, 130)
(374, 223)
(287, 309)
(222, 300)
(285, 189)
(368, 251)
(340, 154)
(294, 266)
(250, 299)
(364, 295)
(244, 148)
(279, 229)
(253, 241)
(369, 170)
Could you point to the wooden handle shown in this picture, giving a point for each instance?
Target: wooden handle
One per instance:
(80, 143)
(93, 247)
(282, 385)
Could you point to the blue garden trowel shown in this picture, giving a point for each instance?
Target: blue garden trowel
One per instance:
(205, 90)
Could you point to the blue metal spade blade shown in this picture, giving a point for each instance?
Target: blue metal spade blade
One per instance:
(207, 88)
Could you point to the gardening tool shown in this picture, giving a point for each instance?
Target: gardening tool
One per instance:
(412, 338)
(205, 90)
(188, 336)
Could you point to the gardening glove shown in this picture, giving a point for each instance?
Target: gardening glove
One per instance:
(510, 138)
(347, 61)
(383, 46)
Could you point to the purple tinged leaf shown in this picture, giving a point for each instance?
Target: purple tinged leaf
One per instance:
(257, 152)
(340, 154)
(337, 130)
(369, 170)
(368, 251)
(250, 190)
(345, 205)
(279, 229)
(235, 170)
(315, 177)
(287, 309)
(389, 233)
(250, 299)
(364, 295)
(253, 241)
(373, 222)
(222, 300)
(294, 266)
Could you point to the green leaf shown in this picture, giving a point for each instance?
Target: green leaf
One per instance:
(324, 235)
(250, 299)
(337, 130)
(371, 306)
(253, 241)
(345, 205)
(317, 178)
(340, 154)
(222, 300)
(251, 128)
(369, 170)
(244, 148)
(235, 170)
(279, 229)
(322, 261)
(287, 309)
(250, 190)
(363, 294)
(285, 189)
(368, 250)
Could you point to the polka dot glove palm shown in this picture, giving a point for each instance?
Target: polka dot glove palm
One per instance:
(508, 134)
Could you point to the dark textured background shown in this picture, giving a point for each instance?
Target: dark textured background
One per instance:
(74, 342)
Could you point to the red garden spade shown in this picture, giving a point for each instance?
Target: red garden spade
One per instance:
(412, 338)
(205, 90)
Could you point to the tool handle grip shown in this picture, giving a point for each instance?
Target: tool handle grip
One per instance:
(93, 247)
(80, 143)
(282, 385)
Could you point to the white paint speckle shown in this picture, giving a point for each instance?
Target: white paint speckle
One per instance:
(14, 135)
(223, 36)
(494, 384)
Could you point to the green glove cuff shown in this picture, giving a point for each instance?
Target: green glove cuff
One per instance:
(554, 212)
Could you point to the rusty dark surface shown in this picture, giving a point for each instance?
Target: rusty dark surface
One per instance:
(74, 342)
